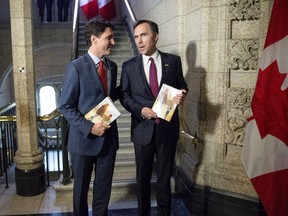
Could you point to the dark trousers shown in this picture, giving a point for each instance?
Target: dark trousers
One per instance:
(63, 6)
(164, 150)
(41, 6)
(82, 169)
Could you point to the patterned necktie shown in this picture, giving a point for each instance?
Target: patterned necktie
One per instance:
(102, 75)
(153, 78)
(153, 82)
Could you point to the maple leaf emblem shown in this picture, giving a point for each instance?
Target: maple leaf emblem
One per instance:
(270, 102)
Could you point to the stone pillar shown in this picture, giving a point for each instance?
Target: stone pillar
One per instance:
(29, 171)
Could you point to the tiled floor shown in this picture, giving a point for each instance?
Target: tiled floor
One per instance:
(48, 204)
(199, 201)
(12, 204)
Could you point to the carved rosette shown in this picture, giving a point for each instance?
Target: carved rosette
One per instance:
(238, 111)
(241, 10)
(243, 54)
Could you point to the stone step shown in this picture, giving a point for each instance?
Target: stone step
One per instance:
(123, 48)
(121, 108)
(124, 140)
(124, 170)
(123, 122)
(124, 132)
(126, 148)
(121, 190)
(125, 153)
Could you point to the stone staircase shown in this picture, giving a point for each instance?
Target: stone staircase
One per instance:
(124, 178)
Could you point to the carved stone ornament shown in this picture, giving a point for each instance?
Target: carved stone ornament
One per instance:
(243, 54)
(238, 111)
(241, 10)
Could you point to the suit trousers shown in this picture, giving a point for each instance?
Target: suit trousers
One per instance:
(82, 166)
(164, 150)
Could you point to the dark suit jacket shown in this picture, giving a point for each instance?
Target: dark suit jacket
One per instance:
(136, 94)
(81, 91)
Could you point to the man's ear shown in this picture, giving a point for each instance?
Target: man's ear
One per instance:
(93, 39)
(156, 37)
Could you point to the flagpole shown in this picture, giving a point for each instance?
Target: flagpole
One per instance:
(130, 10)
(74, 29)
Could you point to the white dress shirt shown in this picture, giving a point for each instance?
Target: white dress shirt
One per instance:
(157, 60)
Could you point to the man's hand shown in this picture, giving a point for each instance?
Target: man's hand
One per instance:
(148, 113)
(179, 98)
(99, 129)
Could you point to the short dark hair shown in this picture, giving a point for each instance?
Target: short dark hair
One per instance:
(96, 27)
(153, 25)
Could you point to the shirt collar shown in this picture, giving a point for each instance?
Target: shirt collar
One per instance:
(95, 58)
(155, 56)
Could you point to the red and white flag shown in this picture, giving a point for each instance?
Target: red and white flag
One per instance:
(90, 8)
(107, 9)
(265, 150)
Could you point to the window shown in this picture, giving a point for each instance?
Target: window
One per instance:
(47, 97)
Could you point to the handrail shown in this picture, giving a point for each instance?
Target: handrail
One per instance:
(8, 140)
(194, 139)
(131, 12)
(61, 124)
(7, 118)
(57, 138)
(7, 107)
(74, 49)
(130, 22)
(50, 116)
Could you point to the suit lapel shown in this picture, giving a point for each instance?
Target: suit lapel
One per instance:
(109, 76)
(90, 67)
(92, 72)
(142, 73)
(165, 68)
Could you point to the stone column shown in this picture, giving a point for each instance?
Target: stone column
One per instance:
(29, 171)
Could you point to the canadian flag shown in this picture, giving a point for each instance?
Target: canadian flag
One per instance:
(265, 150)
(90, 8)
(107, 9)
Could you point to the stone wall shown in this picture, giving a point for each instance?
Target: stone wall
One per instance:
(52, 50)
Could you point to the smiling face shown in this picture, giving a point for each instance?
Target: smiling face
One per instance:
(102, 46)
(145, 39)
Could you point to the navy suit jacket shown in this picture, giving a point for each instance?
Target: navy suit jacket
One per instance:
(136, 94)
(81, 91)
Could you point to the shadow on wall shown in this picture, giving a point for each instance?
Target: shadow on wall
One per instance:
(198, 114)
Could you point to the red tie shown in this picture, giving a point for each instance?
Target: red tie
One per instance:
(153, 82)
(102, 75)
(153, 78)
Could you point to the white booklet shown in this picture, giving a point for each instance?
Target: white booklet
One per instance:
(164, 105)
(105, 111)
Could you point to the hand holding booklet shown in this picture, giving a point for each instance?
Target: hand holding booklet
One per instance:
(105, 112)
(164, 106)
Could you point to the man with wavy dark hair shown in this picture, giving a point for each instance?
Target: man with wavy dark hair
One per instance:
(92, 146)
